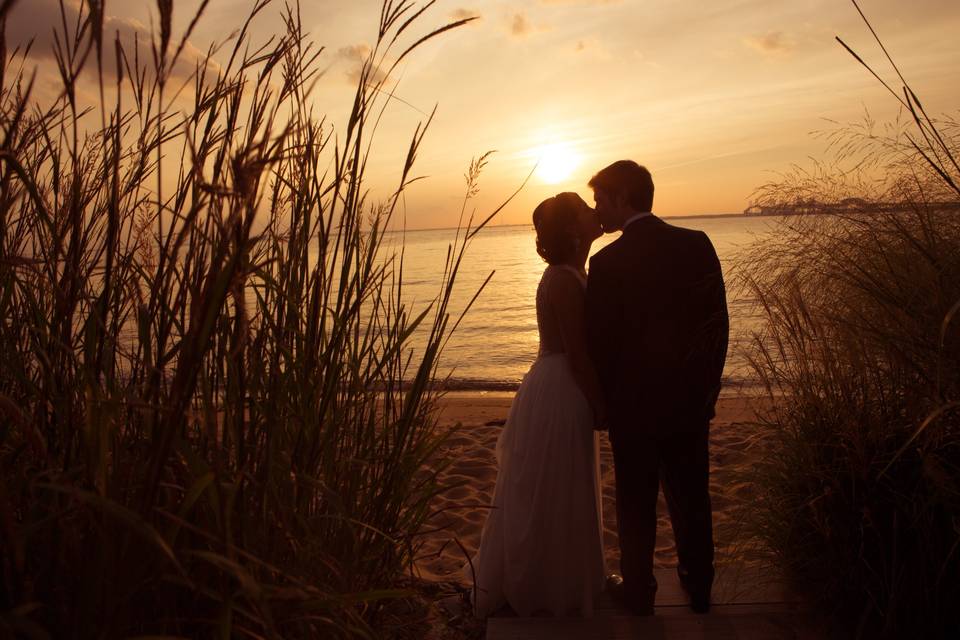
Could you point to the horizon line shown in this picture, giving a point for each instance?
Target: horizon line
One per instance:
(685, 216)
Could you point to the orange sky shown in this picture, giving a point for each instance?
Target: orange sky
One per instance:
(714, 100)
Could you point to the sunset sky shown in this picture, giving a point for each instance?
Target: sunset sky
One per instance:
(714, 98)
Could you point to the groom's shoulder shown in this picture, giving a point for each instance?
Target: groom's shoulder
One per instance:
(692, 238)
(609, 253)
(681, 232)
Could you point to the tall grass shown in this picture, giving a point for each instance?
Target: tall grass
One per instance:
(859, 479)
(212, 422)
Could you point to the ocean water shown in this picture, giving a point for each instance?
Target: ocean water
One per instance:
(497, 340)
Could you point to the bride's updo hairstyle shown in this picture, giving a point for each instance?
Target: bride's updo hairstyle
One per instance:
(558, 230)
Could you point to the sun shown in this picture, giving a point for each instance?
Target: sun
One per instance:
(555, 162)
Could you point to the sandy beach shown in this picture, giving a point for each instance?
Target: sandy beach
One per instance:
(461, 510)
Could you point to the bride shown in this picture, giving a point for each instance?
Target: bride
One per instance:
(541, 551)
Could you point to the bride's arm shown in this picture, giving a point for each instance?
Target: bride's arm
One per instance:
(567, 301)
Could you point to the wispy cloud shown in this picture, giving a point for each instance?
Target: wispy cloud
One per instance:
(771, 43)
(356, 56)
(35, 21)
(584, 2)
(592, 47)
(520, 25)
(463, 14)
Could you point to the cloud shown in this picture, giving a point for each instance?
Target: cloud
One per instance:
(519, 25)
(35, 21)
(355, 52)
(463, 14)
(593, 48)
(583, 2)
(356, 56)
(771, 43)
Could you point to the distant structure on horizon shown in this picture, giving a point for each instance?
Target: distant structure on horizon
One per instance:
(847, 205)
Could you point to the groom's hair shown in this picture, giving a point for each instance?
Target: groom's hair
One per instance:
(628, 179)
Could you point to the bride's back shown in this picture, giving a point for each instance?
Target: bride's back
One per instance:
(548, 324)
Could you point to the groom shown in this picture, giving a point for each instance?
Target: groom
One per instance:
(657, 328)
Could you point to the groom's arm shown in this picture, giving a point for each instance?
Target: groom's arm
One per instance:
(716, 327)
(721, 320)
(602, 321)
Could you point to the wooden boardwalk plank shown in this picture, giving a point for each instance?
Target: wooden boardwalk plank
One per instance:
(732, 585)
(746, 626)
(747, 605)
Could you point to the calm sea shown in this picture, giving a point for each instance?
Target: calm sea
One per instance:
(497, 340)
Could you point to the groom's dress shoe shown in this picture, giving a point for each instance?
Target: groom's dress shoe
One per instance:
(620, 593)
(699, 596)
(699, 601)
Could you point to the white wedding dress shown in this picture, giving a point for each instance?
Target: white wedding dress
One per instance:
(541, 550)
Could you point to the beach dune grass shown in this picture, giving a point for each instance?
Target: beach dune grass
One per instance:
(858, 482)
(857, 485)
(213, 424)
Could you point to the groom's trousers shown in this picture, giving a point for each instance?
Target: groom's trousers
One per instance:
(681, 464)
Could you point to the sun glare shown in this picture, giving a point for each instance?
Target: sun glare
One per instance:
(555, 162)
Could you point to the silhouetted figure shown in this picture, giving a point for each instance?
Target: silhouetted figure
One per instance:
(657, 329)
(541, 551)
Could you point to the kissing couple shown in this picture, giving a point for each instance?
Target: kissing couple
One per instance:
(636, 347)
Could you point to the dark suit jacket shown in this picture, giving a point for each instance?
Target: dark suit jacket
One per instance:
(657, 327)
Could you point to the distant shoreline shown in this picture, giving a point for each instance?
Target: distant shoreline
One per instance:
(681, 217)
(711, 215)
